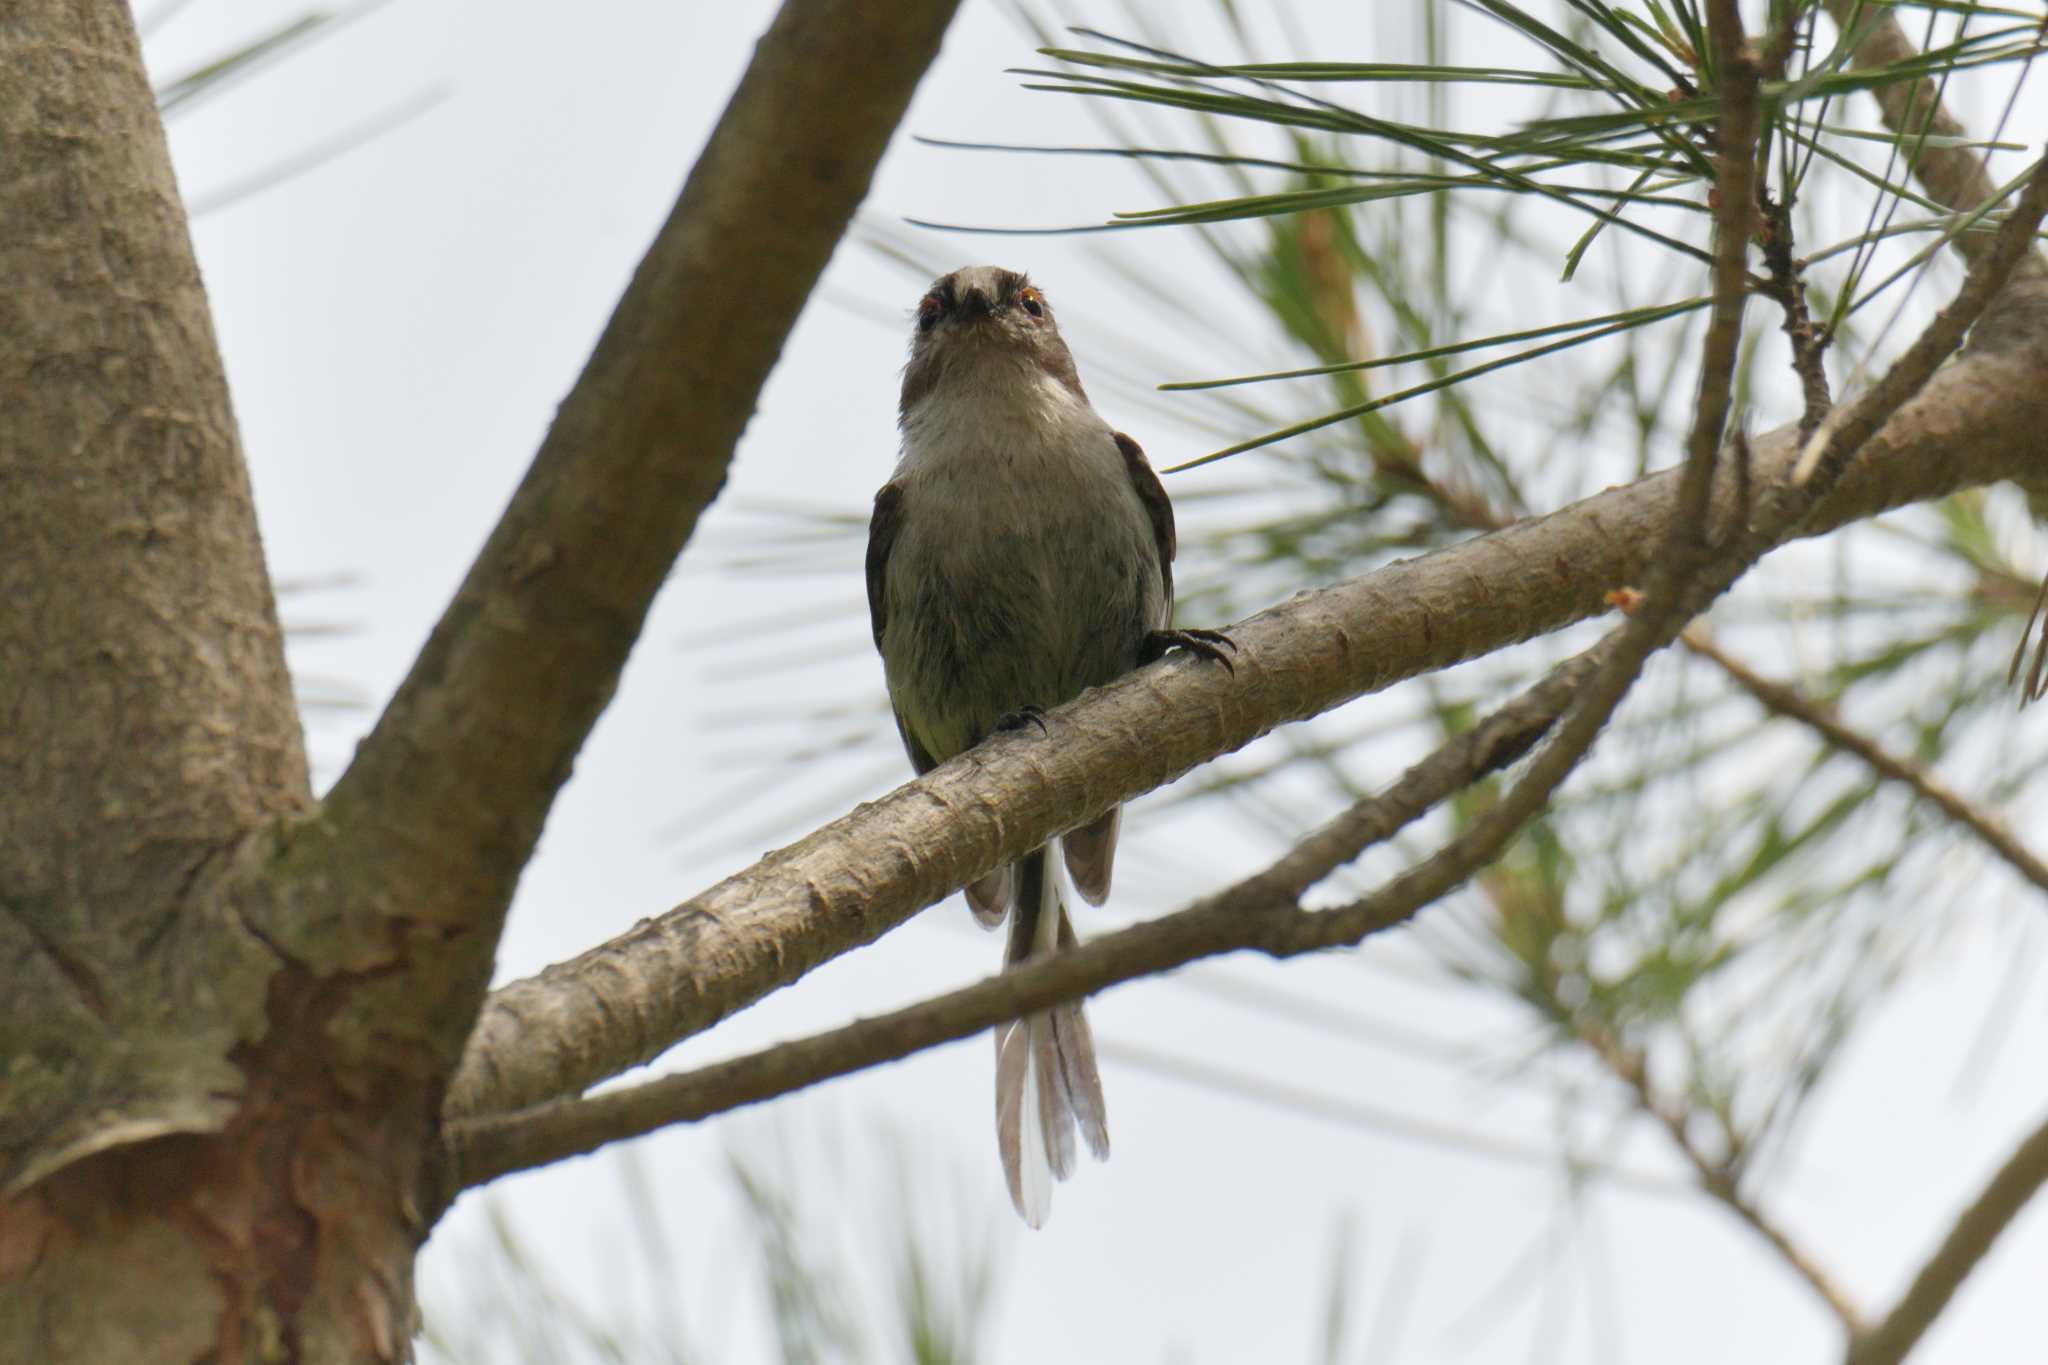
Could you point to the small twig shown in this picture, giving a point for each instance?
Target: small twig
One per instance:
(1735, 219)
(1467, 509)
(1784, 41)
(1788, 701)
(1716, 1177)
(2036, 685)
(1786, 285)
(1974, 1232)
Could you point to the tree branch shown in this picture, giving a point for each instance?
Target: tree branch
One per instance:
(1974, 1232)
(626, 1001)
(426, 833)
(1789, 702)
(1952, 175)
(1485, 749)
(1692, 567)
(1672, 597)
(1850, 425)
(1027, 783)
(1715, 1177)
(482, 1149)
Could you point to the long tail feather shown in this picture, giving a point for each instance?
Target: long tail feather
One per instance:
(1047, 1083)
(1077, 1057)
(1079, 1078)
(1055, 1106)
(1026, 1166)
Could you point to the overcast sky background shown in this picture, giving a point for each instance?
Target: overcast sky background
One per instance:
(398, 328)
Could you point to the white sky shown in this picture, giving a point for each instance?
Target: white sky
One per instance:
(398, 327)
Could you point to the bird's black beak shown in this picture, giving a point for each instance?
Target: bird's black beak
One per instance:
(974, 303)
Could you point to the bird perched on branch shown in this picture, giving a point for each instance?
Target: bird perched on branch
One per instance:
(1021, 553)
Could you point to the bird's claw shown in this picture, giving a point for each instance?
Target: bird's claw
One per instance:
(1021, 717)
(1210, 644)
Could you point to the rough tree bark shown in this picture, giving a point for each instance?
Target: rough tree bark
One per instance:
(149, 723)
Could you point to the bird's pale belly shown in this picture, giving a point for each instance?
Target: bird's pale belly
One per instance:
(1017, 616)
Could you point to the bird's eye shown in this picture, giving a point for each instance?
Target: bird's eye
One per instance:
(929, 310)
(1031, 301)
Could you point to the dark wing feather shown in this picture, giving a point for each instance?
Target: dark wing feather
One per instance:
(920, 761)
(1152, 494)
(991, 897)
(1091, 849)
(882, 529)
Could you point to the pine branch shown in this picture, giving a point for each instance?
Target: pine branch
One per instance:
(1015, 792)
(1717, 1179)
(1953, 175)
(624, 1002)
(1784, 700)
(2009, 1190)
(1262, 911)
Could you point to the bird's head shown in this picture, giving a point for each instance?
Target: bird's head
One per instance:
(980, 320)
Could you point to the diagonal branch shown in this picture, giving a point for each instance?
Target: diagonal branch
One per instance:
(1247, 914)
(1717, 1178)
(1488, 747)
(624, 1002)
(1011, 793)
(1687, 546)
(1215, 926)
(1693, 566)
(1951, 172)
(428, 829)
(2010, 1189)
(1788, 701)
(1849, 426)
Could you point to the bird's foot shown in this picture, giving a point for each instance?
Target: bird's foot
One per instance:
(1021, 717)
(1210, 644)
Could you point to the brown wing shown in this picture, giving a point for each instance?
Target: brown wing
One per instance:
(1152, 494)
(1091, 849)
(882, 529)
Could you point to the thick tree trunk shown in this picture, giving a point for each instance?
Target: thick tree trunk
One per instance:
(176, 1188)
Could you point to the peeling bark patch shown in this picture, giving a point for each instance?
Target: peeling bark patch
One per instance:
(317, 1169)
(375, 1312)
(89, 1273)
(289, 1236)
(25, 1228)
